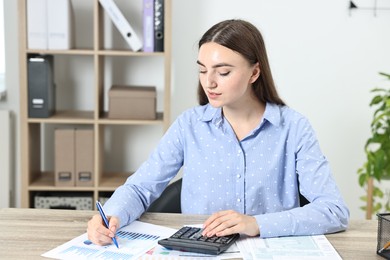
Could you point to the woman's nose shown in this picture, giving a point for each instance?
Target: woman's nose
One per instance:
(211, 83)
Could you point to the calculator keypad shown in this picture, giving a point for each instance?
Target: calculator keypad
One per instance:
(191, 239)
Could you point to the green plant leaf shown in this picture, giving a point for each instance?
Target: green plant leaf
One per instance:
(376, 100)
(378, 90)
(377, 207)
(362, 179)
(363, 198)
(384, 74)
(377, 192)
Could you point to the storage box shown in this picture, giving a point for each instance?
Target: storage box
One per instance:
(84, 157)
(132, 102)
(56, 200)
(64, 147)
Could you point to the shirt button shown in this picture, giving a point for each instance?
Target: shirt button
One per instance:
(238, 176)
(238, 200)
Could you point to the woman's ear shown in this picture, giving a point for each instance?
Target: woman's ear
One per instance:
(255, 72)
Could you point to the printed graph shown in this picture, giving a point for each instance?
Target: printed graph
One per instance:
(77, 252)
(134, 240)
(109, 255)
(136, 236)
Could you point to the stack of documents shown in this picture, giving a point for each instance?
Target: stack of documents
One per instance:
(139, 241)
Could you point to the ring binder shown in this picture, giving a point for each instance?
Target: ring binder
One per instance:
(148, 25)
(158, 25)
(122, 24)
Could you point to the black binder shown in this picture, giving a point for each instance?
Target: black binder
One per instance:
(158, 25)
(41, 88)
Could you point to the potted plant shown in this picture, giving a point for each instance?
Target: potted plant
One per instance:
(377, 149)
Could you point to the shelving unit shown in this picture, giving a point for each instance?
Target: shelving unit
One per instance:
(35, 131)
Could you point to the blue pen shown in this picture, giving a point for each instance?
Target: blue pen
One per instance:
(100, 208)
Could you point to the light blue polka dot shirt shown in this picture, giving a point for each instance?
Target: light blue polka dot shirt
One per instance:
(257, 176)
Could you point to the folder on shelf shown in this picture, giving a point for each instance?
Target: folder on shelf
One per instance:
(36, 24)
(122, 24)
(59, 24)
(64, 157)
(41, 86)
(148, 25)
(158, 25)
(84, 157)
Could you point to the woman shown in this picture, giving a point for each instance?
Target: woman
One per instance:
(245, 154)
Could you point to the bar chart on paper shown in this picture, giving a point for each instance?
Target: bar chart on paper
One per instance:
(131, 236)
(134, 240)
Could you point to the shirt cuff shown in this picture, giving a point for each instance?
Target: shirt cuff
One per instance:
(275, 224)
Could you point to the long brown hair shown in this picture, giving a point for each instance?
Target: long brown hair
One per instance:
(244, 38)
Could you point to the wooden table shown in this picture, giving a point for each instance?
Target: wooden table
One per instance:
(28, 233)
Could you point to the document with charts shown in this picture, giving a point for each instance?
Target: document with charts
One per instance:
(134, 240)
(292, 248)
(162, 253)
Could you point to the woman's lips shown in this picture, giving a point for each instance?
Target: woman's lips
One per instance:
(213, 95)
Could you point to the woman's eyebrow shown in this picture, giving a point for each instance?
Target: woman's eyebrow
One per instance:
(222, 64)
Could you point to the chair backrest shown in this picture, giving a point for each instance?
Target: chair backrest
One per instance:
(302, 200)
(170, 199)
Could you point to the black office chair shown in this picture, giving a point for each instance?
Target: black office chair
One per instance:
(302, 200)
(169, 201)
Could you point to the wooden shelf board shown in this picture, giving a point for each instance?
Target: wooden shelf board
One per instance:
(103, 52)
(111, 181)
(67, 117)
(64, 52)
(108, 52)
(45, 182)
(104, 120)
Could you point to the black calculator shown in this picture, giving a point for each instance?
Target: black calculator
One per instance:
(190, 239)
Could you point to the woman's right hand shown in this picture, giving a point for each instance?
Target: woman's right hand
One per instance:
(97, 231)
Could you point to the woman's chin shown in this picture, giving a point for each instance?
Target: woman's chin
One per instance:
(215, 104)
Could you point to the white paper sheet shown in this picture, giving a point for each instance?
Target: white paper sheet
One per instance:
(134, 240)
(162, 253)
(291, 248)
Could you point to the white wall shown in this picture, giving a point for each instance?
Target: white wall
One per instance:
(324, 62)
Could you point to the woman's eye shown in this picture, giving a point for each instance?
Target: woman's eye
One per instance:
(202, 71)
(224, 74)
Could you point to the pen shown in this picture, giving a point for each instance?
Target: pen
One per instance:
(105, 220)
(387, 245)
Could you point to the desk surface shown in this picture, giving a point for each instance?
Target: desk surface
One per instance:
(28, 233)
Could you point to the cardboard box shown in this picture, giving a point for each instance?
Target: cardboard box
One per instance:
(132, 102)
(64, 157)
(84, 157)
(74, 157)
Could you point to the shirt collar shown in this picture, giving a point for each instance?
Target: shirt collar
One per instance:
(212, 114)
(271, 114)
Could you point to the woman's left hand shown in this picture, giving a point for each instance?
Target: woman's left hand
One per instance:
(227, 222)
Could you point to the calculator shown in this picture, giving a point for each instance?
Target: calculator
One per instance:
(190, 239)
